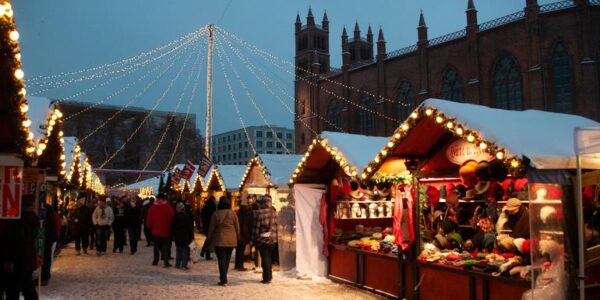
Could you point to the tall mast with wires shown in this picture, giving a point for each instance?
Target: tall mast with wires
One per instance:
(208, 131)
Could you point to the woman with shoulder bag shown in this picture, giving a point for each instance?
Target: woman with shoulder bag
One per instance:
(223, 235)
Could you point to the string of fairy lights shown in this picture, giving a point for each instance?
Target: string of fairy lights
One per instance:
(358, 106)
(263, 78)
(250, 97)
(147, 116)
(137, 96)
(264, 53)
(131, 68)
(47, 78)
(235, 103)
(197, 63)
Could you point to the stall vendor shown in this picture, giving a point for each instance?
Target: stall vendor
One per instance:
(517, 218)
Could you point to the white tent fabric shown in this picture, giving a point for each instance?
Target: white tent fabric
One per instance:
(546, 138)
(280, 166)
(69, 146)
(309, 232)
(153, 182)
(358, 149)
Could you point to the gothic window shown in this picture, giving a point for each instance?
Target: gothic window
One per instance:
(366, 122)
(452, 86)
(561, 79)
(406, 103)
(508, 90)
(333, 116)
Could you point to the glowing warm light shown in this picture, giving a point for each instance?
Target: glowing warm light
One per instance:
(514, 163)
(60, 133)
(42, 146)
(404, 126)
(18, 56)
(450, 125)
(383, 152)
(52, 122)
(459, 131)
(14, 36)
(482, 145)
(439, 119)
(30, 136)
(23, 92)
(470, 138)
(30, 149)
(369, 169)
(500, 155)
(397, 135)
(429, 111)
(354, 173)
(24, 108)
(390, 144)
(414, 115)
(19, 74)
(27, 123)
(363, 175)
(39, 152)
(377, 159)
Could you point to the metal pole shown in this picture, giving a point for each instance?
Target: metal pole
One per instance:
(579, 205)
(208, 131)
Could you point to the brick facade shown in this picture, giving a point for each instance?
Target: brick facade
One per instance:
(528, 39)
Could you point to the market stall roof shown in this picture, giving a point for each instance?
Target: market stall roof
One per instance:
(69, 148)
(150, 184)
(231, 175)
(275, 167)
(543, 138)
(39, 110)
(351, 152)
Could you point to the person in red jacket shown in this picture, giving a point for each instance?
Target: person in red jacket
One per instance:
(159, 220)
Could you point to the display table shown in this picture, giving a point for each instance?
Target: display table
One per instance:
(439, 282)
(376, 272)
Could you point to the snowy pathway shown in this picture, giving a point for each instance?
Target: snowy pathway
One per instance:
(125, 276)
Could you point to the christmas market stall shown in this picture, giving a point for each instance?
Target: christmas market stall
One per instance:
(144, 188)
(491, 200)
(225, 180)
(268, 174)
(330, 197)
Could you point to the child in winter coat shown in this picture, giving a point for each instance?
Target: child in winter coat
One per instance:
(183, 234)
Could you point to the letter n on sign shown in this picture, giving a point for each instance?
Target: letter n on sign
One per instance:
(11, 180)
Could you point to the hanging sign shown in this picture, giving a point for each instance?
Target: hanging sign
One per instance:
(11, 180)
(205, 165)
(461, 151)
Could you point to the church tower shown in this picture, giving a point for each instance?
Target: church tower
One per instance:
(312, 59)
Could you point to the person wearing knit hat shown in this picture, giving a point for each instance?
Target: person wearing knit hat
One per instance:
(183, 234)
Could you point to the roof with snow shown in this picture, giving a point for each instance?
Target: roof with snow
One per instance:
(278, 168)
(152, 182)
(39, 110)
(231, 175)
(544, 138)
(69, 146)
(333, 152)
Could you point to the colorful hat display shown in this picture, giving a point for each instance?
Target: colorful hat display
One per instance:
(482, 171)
(467, 173)
(547, 213)
(498, 170)
(433, 196)
(482, 187)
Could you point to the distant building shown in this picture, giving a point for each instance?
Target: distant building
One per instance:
(542, 57)
(81, 119)
(233, 148)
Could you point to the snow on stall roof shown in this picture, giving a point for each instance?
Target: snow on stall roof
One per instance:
(280, 166)
(153, 182)
(39, 109)
(231, 175)
(69, 146)
(546, 138)
(358, 149)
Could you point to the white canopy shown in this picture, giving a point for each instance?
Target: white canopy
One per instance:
(69, 146)
(152, 182)
(546, 138)
(39, 110)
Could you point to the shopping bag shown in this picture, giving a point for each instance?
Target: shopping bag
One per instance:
(194, 252)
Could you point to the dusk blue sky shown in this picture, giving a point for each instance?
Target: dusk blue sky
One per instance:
(69, 35)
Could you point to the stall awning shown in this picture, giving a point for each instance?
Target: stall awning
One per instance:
(351, 152)
(543, 138)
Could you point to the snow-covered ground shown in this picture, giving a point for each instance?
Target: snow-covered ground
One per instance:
(125, 276)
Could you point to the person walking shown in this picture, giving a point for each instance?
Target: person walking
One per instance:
(207, 211)
(160, 216)
(81, 220)
(119, 226)
(183, 235)
(223, 234)
(102, 218)
(92, 204)
(264, 235)
(21, 258)
(133, 221)
(147, 232)
(245, 218)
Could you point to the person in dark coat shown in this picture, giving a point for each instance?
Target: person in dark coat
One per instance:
(133, 221)
(119, 226)
(92, 203)
(183, 235)
(51, 236)
(207, 211)
(147, 232)
(245, 218)
(21, 259)
(518, 218)
(81, 224)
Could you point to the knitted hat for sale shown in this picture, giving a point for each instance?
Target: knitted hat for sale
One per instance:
(513, 205)
(467, 173)
(547, 213)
